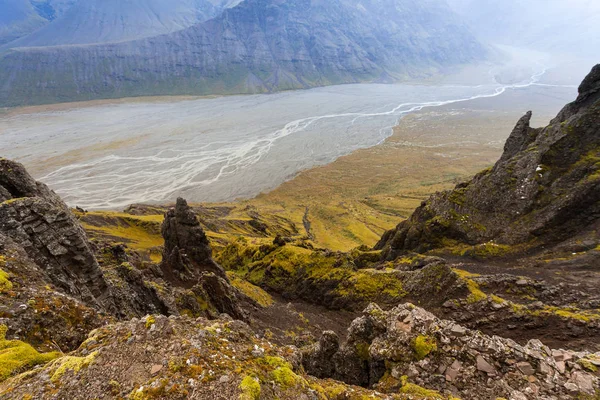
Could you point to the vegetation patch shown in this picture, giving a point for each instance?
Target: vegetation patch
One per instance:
(254, 292)
(423, 346)
(475, 293)
(17, 356)
(250, 388)
(70, 363)
(5, 283)
(418, 391)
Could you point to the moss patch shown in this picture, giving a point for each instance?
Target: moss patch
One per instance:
(5, 283)
(257, 294)
(250, 388)
(423, 346)
(475, 293)
(17, 356)
(419, 392)
(71, 363)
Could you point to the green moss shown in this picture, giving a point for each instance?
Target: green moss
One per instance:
(370, 284)
(257, 294)
(17, 356)
(250, 388)
(276, 362)
(458, 196)
(71, 363)
(5, 283)
(475, 293)
(290, 268)
(362, 349)
(480, 251)
(587, 365)
(286, 378)
(150, 320)
(418, 391)
(423, 346)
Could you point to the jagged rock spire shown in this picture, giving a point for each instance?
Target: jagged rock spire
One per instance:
(187, 252)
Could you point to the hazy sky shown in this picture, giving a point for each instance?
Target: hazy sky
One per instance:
(570, 26)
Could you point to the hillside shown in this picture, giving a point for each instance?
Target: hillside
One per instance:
(256, 46)
(18, 18)
(95, 21)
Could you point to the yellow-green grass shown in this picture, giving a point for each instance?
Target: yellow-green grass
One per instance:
(17, 356)
(257, 294)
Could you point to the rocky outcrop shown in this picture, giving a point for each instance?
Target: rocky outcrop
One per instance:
(179, 358)
(187, 262)
(395, 350)
(187, 252)
(255, 47)
(37, 220)
(544, 189)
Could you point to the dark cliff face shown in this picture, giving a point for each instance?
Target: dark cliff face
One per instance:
(544, 189)
(36, 219)
(256, 46)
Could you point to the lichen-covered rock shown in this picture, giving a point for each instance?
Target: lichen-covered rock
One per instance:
(180, 358)
(544, 189)
(392, 350)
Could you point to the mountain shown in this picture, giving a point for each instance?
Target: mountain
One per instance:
(543, 192)
(547, 25)
(18, 18)
(104, 21)
(256, 46)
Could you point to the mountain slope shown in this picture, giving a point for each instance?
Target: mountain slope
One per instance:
(17, 18)
(545, 189)
(257, 46)
(104, 21)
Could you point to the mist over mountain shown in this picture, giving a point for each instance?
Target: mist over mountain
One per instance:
(549, 25)
(17, 18)
(104, 21)
(256, 46)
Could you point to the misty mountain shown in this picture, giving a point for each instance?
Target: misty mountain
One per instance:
(256, 46)
(551, 25)
(18, 18)
(104, 21)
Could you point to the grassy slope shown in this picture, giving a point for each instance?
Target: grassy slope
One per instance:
(349, 202)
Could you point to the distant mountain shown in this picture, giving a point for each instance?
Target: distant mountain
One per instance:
(18, 18)
(105, 21)
(550, 25)
(256, 46)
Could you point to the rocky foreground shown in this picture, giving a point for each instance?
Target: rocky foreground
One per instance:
(272, 317)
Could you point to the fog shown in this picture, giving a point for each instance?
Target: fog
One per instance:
(569, 27)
